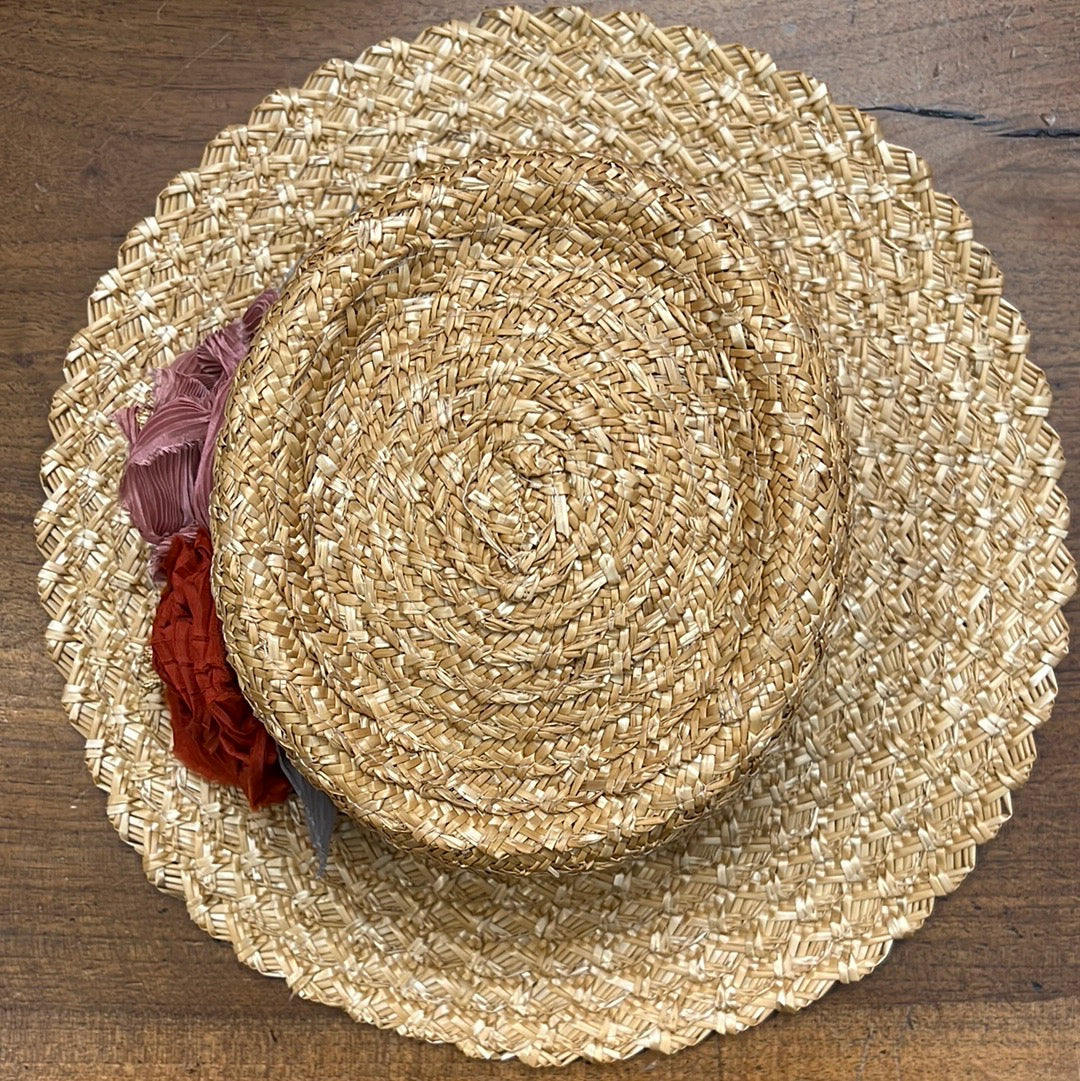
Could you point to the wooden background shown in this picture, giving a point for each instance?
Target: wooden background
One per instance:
(101, 976)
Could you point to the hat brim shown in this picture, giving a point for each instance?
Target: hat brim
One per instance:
(902, 753)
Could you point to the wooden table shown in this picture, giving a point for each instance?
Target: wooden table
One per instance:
(102, 977)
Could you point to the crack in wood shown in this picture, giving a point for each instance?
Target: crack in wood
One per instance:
(978, 119)
(936, 114)
(1040, 133)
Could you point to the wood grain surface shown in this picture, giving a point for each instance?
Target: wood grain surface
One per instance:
(101, 976)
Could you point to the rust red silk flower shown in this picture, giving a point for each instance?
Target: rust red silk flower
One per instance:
(169, 473)
(215, 732)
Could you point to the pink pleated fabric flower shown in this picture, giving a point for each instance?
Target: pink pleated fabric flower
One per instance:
(166, 485)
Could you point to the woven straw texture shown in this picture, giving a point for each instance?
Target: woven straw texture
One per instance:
(899, 754)
(529, 511)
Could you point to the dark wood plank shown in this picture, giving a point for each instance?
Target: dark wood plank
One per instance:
(103, 977)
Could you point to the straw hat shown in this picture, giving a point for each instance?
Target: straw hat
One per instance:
(637, 514)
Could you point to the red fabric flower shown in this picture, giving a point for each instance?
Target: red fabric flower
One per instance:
(214, 731)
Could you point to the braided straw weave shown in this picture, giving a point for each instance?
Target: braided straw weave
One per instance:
(528, 511)
(898, 753)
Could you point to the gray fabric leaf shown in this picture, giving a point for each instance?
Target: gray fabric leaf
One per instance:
(320, 814)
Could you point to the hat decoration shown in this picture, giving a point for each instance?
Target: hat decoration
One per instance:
(165, 488)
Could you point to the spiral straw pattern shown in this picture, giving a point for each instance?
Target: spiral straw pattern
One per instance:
(529, 509)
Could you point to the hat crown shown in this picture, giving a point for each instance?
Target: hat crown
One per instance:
(533, 485)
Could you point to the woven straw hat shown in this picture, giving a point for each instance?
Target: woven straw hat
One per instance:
(637, 514)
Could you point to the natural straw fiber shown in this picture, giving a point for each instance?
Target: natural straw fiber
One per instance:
(528, 511)
(898, 753)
